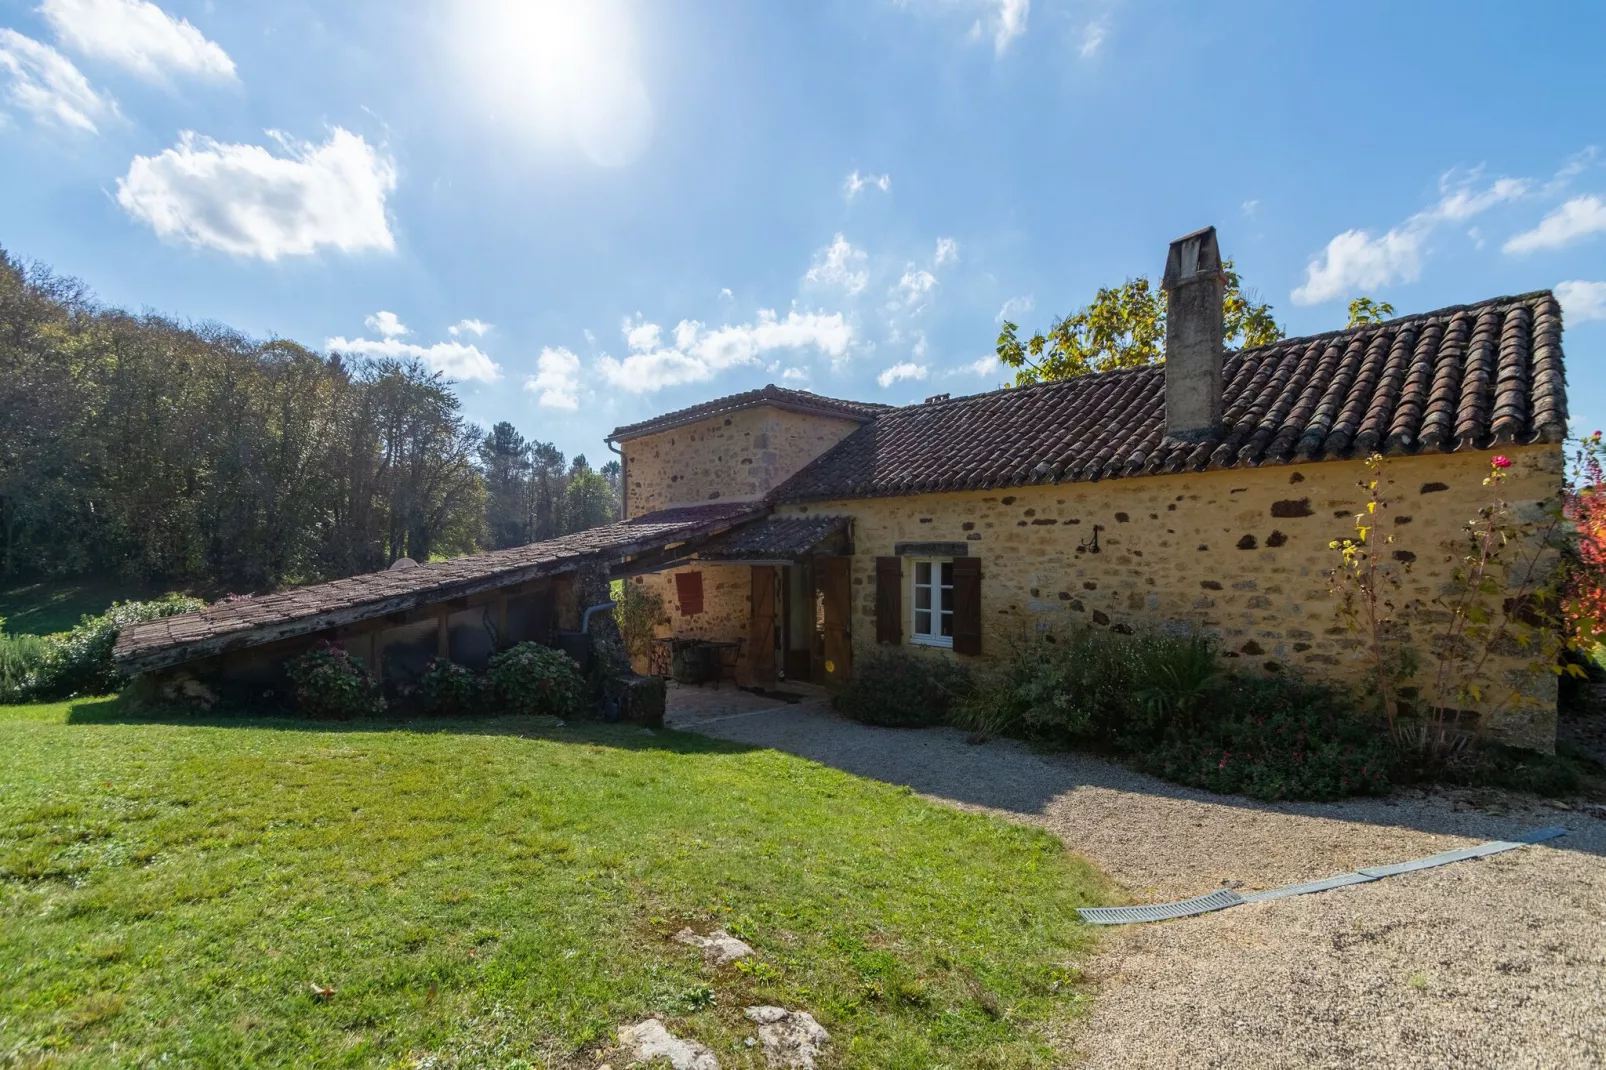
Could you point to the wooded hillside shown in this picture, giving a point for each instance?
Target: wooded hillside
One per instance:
(138, 445)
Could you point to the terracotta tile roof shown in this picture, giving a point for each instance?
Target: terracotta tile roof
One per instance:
(246, 622)
(791, 400)
(774, 539)
(1469, 377)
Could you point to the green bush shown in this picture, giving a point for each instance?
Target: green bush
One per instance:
(1165, 705)
(1056, 691)
(1272, 738)
(329, 684)
(1496, 765)
(901, 690)
(80, 661)
(448, 689)
(532, 679)
(637, 613)
(22, 657)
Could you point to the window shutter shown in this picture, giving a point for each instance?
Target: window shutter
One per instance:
(967, 605)
(689, 591)
(889, 600)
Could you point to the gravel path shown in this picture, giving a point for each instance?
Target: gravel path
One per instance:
(1499, 962)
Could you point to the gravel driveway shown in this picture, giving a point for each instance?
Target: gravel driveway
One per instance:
(1499, 962)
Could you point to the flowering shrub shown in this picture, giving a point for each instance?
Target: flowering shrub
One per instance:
(534, 679)
(80, 661)
(1502, 599)
(1165, 705)
(329, 684)
(21, 659)
(1584, 590)
(448, 689)
(1273, 738)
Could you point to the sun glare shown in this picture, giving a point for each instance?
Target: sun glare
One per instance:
(563, 72)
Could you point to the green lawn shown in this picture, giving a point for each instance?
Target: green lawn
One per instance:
(499, 893)
(40, 607)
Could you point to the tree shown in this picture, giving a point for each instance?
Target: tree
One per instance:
(505, 464)
(614, 473)
(588, 500)
(192, 453)
(544, 497)
(1124, 327)
(1364, 310)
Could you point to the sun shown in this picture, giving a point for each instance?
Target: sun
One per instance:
(564, 72)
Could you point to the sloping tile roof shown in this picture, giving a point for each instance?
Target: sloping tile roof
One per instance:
(1469, 377)
(801, 401)
(776, 538)
(246, 622)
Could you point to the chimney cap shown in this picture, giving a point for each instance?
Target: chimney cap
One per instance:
(1192, 256)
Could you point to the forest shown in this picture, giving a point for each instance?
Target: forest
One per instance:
(142, 447)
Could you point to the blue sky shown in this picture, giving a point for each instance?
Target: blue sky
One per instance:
(592, 213)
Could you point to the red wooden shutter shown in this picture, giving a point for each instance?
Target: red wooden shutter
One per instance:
(889, 600)
(689, 589)
(967, 605)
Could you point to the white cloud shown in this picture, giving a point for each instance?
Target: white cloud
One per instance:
(1010, 22)
(696, 353)
(244, 200)
(1250, 208)
(590, 338)
(1356, 260)
(855, 182)
(795, 375)
(1014, 308)
(947, 251)
(906, 369)
(725, 294)
(1005, 19)
(983, 366)
(475, 327)
(914, 285)
(453, 359)
(387, 324)
(1582, 301)
(1360, 260)
(138, 36)
(557, 379)
(1093, 35)
(1576, 164)
(46, 85)
(840, 264)
(1579, 218)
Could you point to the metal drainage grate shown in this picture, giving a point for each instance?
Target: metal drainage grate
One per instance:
(1221, 900)
(1203, 904)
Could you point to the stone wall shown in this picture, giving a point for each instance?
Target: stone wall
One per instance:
(740, 457)
(1240, 553)
(727, 592)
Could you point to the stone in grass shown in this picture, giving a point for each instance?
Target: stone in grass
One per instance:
(720, 948)
(649, 1040)
(791, 1039)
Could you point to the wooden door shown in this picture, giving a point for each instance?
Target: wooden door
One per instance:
(835, 578)
(761, 627)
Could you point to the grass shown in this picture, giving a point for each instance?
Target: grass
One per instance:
(500, 893)
(44, 607)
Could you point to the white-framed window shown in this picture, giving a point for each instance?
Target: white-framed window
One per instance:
(932, 605)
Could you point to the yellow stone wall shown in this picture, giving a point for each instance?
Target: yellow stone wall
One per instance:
(740, 457)
(1240, 553)
(727, 591)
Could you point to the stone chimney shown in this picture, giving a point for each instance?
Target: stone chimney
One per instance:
(1194, 286)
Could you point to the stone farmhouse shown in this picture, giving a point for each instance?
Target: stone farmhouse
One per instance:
(799, 531)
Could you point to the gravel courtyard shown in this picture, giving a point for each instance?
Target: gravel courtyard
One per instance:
(1499, 962)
